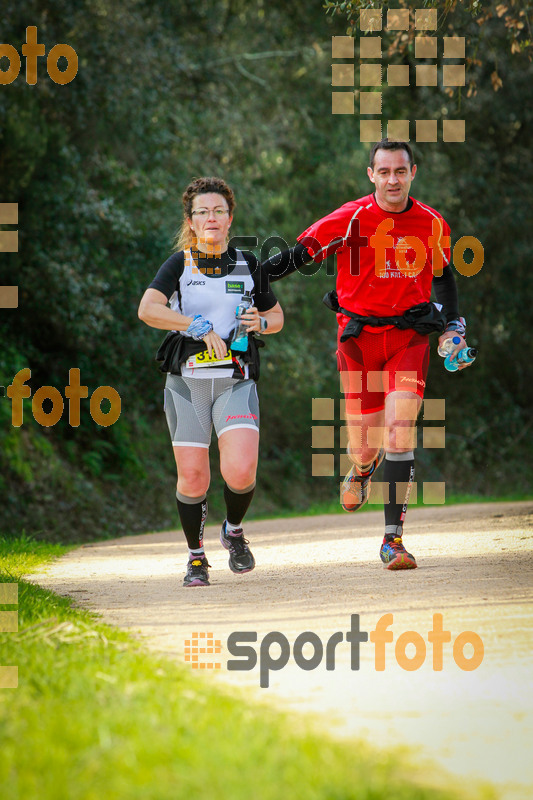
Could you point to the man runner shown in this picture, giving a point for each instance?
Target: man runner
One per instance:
(391, 250)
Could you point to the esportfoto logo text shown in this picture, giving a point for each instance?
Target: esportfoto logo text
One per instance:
(275, 649)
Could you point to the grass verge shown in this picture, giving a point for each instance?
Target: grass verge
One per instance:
(94, 716)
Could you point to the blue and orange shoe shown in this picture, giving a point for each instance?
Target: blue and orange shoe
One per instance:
(395, 556)
(355, 489)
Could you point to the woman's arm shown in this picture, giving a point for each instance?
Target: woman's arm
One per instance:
(154, 311)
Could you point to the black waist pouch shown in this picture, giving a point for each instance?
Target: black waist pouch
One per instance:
(175, 349)
(424, 318)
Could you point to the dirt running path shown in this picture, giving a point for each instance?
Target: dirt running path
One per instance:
(475, 568)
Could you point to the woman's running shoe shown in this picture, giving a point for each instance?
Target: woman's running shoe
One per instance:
(240, 556)
(197, 572)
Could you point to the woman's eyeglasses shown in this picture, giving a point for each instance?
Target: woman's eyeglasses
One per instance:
(202, 213)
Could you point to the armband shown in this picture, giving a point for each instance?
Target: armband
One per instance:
(456, 325)
(199, 327)
(264, 324)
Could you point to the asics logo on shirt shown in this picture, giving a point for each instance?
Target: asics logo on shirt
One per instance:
(196, 283)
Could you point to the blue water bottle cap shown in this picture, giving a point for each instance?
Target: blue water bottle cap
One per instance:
(456, 339)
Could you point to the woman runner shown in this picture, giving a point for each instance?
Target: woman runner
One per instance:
(204, 280)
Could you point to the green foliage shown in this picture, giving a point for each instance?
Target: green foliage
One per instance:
(169, 90)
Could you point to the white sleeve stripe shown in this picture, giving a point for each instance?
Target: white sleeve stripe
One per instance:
(339, 239)
(440, 221)
(326, 247)
(349, 228)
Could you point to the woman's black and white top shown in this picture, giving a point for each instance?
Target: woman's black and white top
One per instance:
(213, 286)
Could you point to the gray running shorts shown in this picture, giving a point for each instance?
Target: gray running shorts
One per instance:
(194, 405)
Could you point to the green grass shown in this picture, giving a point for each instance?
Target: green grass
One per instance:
(97, 717)
(23, 554)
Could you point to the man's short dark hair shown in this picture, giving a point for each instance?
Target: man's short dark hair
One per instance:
(387, 144)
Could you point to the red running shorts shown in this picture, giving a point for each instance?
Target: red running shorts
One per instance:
(379, 362)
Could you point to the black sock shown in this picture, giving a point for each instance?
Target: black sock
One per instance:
(193, 514)
(399, 474)
(237, 503)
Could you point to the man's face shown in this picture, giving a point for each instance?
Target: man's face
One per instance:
(392, 176)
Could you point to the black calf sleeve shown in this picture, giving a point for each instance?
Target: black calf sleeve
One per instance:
(399, 474)
(237, 503)
(193, 514)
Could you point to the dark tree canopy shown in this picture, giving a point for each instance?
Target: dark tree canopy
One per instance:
(171, 90)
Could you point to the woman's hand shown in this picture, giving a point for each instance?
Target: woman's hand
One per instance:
(215, 344)
(274, 318)
(251, 319)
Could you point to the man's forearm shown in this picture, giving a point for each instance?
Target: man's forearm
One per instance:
(446, 293)
(288, 261)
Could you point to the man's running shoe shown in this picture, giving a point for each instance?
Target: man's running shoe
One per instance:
(197, 572)
(355, 489)
(241, 559)
(395, 556)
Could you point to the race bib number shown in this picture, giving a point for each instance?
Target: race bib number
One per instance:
(203, 359)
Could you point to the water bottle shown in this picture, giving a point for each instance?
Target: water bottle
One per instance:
(448, 346)
(239, 341)
(464, 356)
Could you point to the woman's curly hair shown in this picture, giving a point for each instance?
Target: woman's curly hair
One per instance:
(185, 237)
